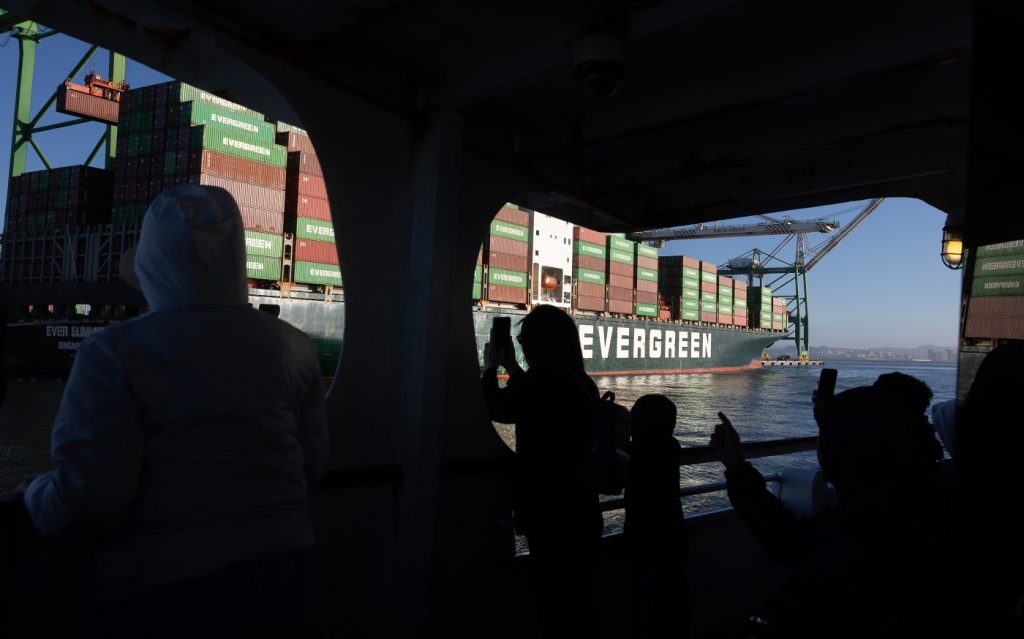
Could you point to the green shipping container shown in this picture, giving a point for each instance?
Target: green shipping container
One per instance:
(586, 248)
(478, 290)
(621, 244)
(691, 282)
(262, 267)
(478, 275)
(231, 143)
(310, 229)
(1001, 265)
(181, 92)
(725, 309)
(646, 274)
(284, 127)
(313, 273)
(738, 303)
(690, 315)
(708, 297)
(620, 256)
(586, 276)
(708, 307)
(647, 310)
(690, 272)
(709, 277)
(776, 317)
(724, 294)
(998, 285)
(646, 251)
(511, 231)
(1015, 247)
(263, 244)
(506, 278)
(691, 294)
(199, 114)
(693, 305)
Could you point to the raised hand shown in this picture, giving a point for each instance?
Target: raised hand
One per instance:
(726, 441)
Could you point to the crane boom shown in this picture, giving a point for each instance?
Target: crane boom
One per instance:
(775, 227)
(823, 250)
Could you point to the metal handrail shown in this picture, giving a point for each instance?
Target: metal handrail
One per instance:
(619, 503)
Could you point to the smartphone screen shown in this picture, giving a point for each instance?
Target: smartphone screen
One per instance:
(827, 383)
(501, 329)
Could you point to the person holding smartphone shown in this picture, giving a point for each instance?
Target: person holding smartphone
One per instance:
(866, 567)
(551, 404)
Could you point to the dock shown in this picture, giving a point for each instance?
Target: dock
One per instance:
(792, 362)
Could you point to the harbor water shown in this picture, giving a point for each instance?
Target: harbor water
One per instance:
(771, 403)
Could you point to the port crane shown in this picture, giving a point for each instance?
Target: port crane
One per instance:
(756, 264)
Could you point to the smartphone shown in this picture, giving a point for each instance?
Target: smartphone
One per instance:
(827, 383)
(501, 330)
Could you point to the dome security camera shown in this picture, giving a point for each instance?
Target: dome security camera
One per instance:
(598, 61)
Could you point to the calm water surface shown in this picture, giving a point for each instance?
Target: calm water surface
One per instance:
(772, 403)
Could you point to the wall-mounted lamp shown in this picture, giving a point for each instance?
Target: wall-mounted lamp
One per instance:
(952, 247)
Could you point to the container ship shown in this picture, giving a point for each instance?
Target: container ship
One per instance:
(638, 312)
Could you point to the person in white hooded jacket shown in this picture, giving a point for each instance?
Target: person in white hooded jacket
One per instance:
(188, 439)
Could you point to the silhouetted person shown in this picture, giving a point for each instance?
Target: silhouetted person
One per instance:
(989, 533)
(556, 508)
(655, 531)
(869, 566)
(188, 440)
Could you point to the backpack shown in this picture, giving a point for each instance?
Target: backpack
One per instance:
(607, 459)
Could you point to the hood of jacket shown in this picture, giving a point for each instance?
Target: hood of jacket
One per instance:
(191, 252)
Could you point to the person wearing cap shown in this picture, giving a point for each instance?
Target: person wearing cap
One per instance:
(867, 567)
(189, 438)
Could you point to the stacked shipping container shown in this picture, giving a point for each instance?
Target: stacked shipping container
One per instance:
(739, 304)
(508, 256)
(173, 133)
(780, 316)
(759, 302)
(620, 274)
(646, 280)
(996, 307)
(725, 300)
(57, 198)
(307, 211)
(679, 284)
(708, 292)
(589, 266)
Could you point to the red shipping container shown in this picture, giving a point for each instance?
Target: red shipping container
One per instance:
(724, 319)
(725, 281)
(507, 246)
(708, 267)
(739, 286)
(708, 287)
(616, 268)
(314, 251)
(645, 297)
(304, 161)
(235, 168)
(620, 307)
(647, 286)
(86, 105)
(620, 281)
(664, 314)
(513, 216)
(516, 263)
(312, 207)
(479, 257)
(306, 184)
(587, 235)
(295, 142)
(511, 294)
(739, 320)
(620, 294)
(994, 327)
(585, 303)
(263, 221)
(588, 262)
(996, 306)
(691, 262)
(776, 326)
(710, 318)
(245, 194)
(586, 289)
(647, 262)
(739, 294)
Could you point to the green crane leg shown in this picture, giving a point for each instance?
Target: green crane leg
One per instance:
(116, 73)
(806, 319)
(26, 33)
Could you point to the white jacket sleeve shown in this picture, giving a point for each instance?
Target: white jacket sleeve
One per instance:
(97, 447)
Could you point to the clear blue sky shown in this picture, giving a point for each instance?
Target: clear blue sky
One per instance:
(883, 286)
